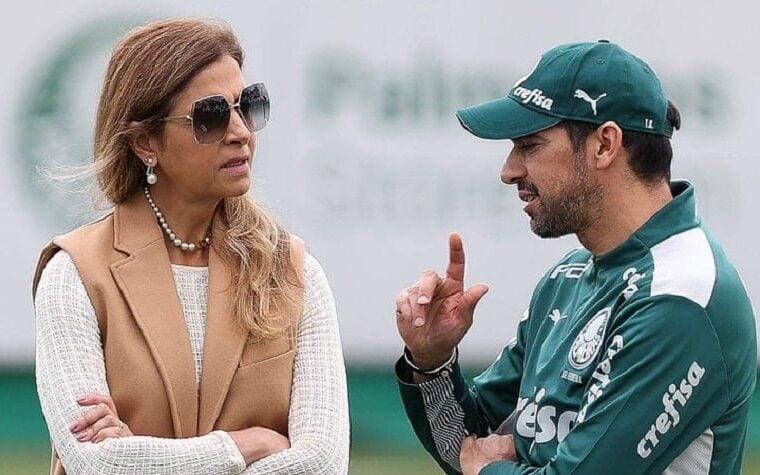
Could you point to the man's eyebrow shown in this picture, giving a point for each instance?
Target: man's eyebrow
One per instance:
(528, 138)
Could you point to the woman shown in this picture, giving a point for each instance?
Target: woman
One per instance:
(186, 332)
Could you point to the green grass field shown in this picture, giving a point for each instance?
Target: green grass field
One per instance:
(35, 462)
(382, 439)
(31, 462)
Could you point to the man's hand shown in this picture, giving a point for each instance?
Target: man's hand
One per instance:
(477, 453)
(434, 313)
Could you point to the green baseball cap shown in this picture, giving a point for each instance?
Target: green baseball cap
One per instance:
(587, 82)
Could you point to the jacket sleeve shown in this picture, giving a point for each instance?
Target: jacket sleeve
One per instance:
(445, 410)
(660, 383)
(69, 363)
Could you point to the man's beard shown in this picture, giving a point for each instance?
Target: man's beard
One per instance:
(578, 207)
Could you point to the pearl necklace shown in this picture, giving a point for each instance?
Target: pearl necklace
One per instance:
(185, 246)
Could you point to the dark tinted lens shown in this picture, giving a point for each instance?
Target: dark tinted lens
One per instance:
(210, 119)
(254, 106)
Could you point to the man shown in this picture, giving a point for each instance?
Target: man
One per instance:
(637, 353)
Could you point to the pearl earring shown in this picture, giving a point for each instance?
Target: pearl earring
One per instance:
(150, 177)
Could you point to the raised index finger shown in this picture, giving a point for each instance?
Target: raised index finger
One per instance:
(455, 269)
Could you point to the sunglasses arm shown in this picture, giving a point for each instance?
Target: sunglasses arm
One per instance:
(176, 117)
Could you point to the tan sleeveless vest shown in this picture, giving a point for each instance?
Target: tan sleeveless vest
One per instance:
(123, 263)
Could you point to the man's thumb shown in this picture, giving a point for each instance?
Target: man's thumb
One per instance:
(473, 295)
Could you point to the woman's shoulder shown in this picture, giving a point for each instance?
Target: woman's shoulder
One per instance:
(58, 277)
(87, 237)
(85, 240)
(312, 269)
(316, 285)
(60, 264)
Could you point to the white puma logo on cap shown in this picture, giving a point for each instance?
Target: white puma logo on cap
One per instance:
(580, 93)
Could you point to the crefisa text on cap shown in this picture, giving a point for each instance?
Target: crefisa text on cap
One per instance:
(536, 96)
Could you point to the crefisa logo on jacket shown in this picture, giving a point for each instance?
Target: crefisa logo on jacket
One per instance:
(589, 340)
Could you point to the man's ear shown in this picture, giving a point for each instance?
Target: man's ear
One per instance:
(142, 143)
(607, 144)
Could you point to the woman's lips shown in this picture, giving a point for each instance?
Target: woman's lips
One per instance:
(236, 165)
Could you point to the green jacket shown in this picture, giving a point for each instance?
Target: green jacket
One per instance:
(640, 360)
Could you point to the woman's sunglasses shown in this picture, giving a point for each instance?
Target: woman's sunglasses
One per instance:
(210, 116)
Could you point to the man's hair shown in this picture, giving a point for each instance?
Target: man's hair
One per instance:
(650, 155)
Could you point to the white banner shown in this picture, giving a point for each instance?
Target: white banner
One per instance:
(363, 156)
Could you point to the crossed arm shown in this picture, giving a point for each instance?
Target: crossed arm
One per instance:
(70, 364)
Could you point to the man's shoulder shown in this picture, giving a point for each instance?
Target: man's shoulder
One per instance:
(689, 276)
(693, 265)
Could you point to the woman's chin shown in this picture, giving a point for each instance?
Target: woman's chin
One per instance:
(238, 188)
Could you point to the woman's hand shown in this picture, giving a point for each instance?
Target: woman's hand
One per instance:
(258, 442)
(100, 422)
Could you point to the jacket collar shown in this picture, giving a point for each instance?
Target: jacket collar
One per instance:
(146, 280)
(678, 215)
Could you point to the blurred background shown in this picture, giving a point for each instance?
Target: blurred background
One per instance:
(364, 159)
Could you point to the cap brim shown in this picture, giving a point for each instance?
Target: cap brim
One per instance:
(503, 119)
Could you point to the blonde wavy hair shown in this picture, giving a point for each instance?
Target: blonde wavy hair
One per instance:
(148, 69)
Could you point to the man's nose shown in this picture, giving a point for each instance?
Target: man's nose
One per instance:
(513, 170)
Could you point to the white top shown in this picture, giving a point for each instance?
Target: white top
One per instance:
(70, 363)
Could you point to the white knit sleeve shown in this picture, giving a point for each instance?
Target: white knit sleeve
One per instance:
(318, 421)
(70, 363)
